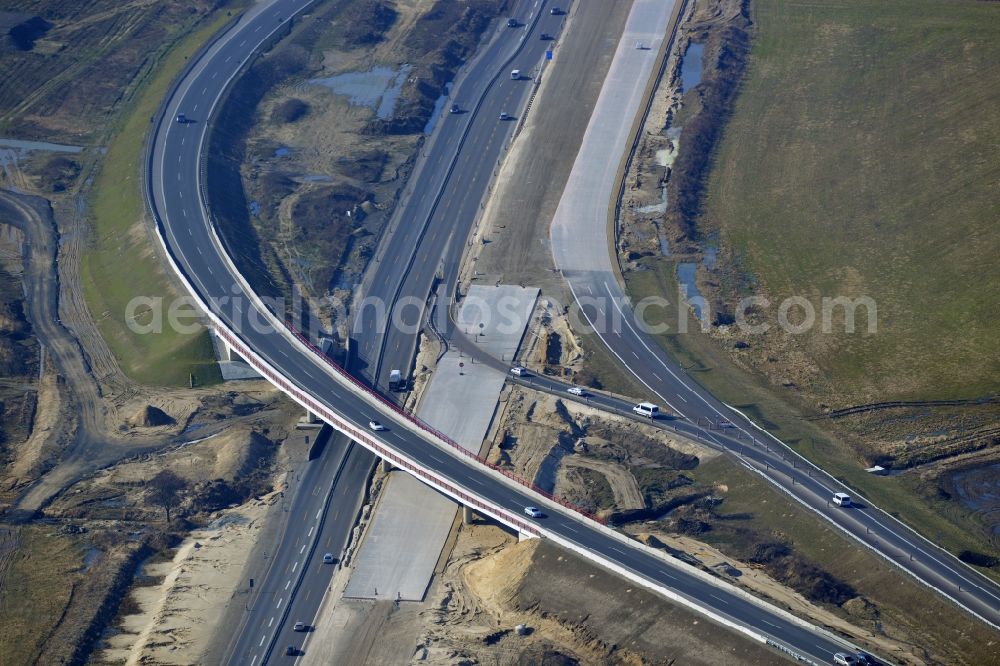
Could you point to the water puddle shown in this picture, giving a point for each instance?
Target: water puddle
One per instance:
(687, 275)
(978, 489)
(17, 144)
(438, 107)
(91, 557)
(691, 66)
(379, 88)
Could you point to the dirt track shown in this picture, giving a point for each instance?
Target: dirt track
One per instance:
(33, 216)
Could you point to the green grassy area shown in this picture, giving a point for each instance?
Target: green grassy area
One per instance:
(907, 610)
(121, 261)
(782, 415)
(862, 158)
(37, 588)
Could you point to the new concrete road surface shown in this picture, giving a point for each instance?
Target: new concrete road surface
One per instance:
(580, 247)
(412, 521)
(175, 197)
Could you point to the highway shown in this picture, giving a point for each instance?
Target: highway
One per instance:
(580, 248)
(453, 161)
(200, 259)
(194, 247)
(430, 228)
(319, 520)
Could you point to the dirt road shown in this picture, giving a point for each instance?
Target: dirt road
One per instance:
(89, 447)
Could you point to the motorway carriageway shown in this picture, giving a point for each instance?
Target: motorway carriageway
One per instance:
(174, 181)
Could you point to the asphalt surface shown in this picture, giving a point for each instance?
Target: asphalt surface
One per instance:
(174, 186)
(580, 248)
(317, 521)
(430, 229)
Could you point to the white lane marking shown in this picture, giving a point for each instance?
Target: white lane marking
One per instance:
(719, 598)
(228, 58)
(178, 160)
(215, 74)
(770, 624)
(195, 107)
(261, 640)
(189, 232)
(254, 660)
(199, 251)
(287, 583)
(279, 602)
(310, 531)
(572, 529)
(302, 549)
(295, 566)
(682, 397)
(242, 43)
(210, 271)
(319, 513)
(184, 210)
(271, 621)
(183, 138)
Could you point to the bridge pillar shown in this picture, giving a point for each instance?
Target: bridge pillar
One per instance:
(385, 466)
(309, 421)
(467, 516)
(228, 353)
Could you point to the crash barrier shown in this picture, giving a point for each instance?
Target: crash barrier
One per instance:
(426, 427)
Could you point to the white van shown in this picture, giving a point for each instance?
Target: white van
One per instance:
(842, 499)
(647, 409)
(515, 74)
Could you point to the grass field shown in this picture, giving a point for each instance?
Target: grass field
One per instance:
(862, 158)
(122, 262)
(956, 529)
(908, 611)
(38, 583)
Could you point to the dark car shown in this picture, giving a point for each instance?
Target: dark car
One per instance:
(511, 23)
(181, 118)
(455, 108)
(555, 11)
(291, 651)
(545, 36)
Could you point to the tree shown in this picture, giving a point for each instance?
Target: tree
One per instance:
(164, 490)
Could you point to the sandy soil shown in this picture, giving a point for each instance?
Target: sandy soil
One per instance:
(178, 618)
(49, 410)
(623, 485)
(533, 427)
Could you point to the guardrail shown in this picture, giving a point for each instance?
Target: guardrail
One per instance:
(426, 427)
(365, 440)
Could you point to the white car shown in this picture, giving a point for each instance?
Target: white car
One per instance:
(842, 499)
(519, 371)
(376, 426)
(328, 558)
(844, 659)
(533, 511)
(299, 626)
(576, 390)
(504, 115)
